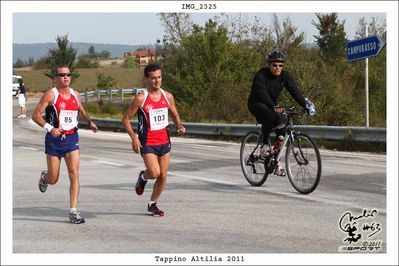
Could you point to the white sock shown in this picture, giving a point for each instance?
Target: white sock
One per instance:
(142, 177)
(72, 210)
(151, 202)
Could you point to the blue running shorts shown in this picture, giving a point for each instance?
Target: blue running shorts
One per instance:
(62, 144)
(158, 150)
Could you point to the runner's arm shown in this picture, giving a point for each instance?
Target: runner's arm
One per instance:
(46, 99)
(131, 111)
(175, 115)
(85, 116)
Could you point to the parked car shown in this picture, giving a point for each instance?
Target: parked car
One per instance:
(15, 84)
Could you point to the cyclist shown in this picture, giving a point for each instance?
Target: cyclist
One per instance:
(267, 85)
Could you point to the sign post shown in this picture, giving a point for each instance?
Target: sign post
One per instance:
(363, 49)
(366, 84)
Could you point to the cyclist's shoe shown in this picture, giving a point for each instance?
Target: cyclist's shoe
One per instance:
(154, 211)
(75, 218)
(140, 184)
(264, 150)
(42, 184)
(279, 170)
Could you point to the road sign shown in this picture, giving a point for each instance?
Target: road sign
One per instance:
(364, 48)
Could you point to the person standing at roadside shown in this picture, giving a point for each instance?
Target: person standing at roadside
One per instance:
(21, 96)
(153, 142)
(62, 107)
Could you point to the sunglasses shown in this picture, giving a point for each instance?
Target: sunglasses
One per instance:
(64, 74)
(278, 65)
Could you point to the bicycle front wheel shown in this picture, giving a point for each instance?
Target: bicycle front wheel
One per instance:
(252, 165)
(303, 163)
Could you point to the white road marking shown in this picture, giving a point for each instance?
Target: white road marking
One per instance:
(28, 148)
(108, 163)
(286, 194)
(209, 180)
(173, 160)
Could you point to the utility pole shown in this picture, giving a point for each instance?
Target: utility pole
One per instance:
(366, 83)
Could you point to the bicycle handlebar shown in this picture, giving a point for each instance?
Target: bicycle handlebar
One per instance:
(291, 111)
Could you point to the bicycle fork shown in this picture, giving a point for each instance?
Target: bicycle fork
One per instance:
(298, 152)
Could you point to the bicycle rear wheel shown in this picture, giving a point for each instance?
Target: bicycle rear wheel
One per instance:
(303, 163)
(252, 165)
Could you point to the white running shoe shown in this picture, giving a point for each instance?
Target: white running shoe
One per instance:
(278, 170)
(42, 184)
(75, 218)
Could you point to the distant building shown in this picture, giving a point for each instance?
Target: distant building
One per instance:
(142, 58)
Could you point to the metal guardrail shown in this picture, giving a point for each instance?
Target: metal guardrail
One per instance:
(361, 134)
(110, 95)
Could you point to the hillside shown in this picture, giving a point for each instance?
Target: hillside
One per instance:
(37, 82)
(24, 51)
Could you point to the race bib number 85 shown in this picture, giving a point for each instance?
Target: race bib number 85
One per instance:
(158, 118)
(68, 119)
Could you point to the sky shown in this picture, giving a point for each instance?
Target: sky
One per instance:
(146, 28)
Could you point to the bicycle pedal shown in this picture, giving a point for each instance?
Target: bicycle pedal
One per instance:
(279, 172)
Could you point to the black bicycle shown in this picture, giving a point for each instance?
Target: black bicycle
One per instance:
(302, 156)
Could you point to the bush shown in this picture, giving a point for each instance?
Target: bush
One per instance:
(85, 62)
(130, 63)
(109, 108)
(105, 82)
(92, 108)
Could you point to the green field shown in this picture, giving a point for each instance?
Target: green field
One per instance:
(36, 81)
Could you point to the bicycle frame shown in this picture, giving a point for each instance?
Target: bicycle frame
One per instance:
(288, 135)
(283, 145)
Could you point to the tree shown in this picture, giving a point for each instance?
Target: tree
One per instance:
(30, 62)
(105, 82)
(104, 55)
(373, 28)
(286, 38)
(130, 63)
(177, 25)
(19, 63)
(42, 63)
(92, 53)
(209, 74)
(85, 62)
(256, 35)
(332, 37)
(142, 48)
(64, 55)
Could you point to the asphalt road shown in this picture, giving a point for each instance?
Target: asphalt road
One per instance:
(209, 206)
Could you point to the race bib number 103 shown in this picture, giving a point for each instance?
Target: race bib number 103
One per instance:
(158, 118)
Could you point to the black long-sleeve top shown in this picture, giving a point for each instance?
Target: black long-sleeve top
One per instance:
(21, 89)
(266, 89)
